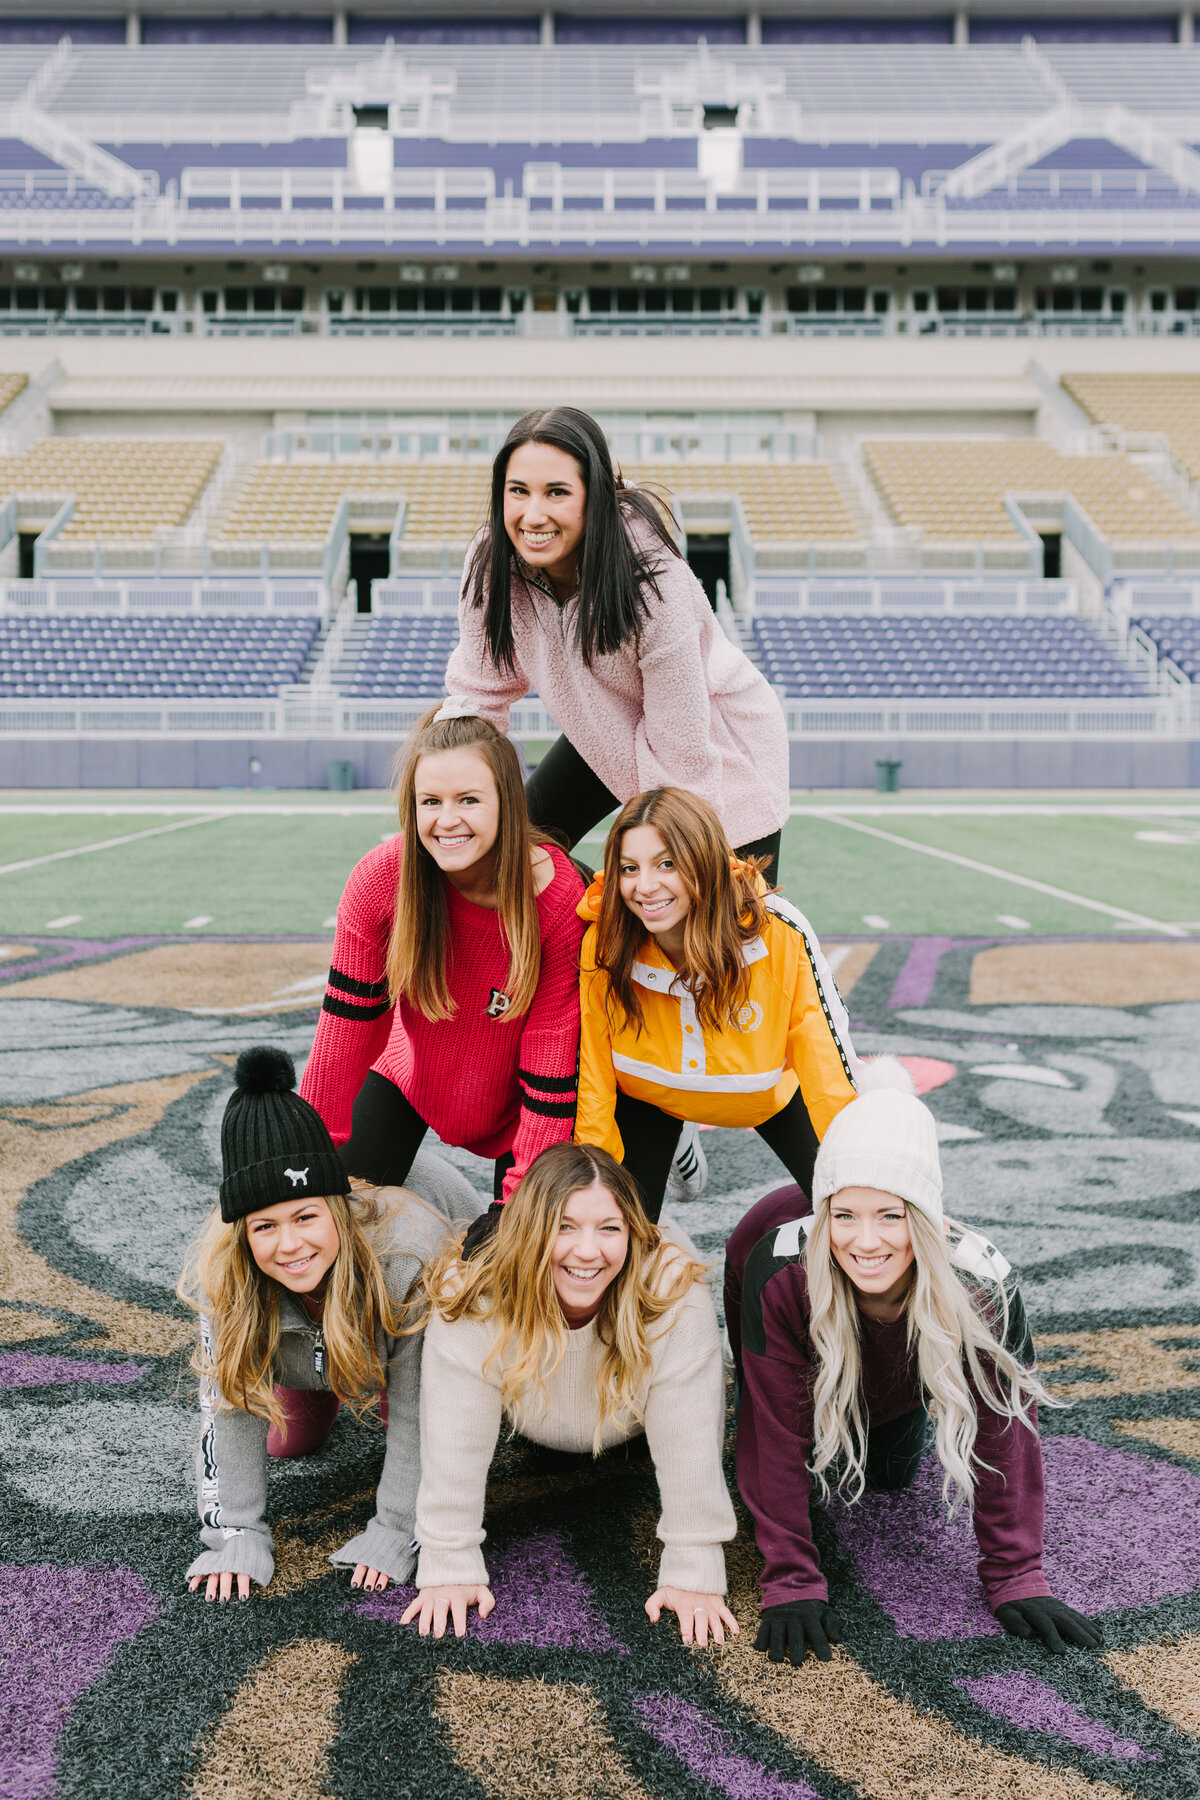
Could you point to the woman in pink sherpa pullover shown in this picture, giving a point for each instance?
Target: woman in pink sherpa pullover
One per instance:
(575, 589)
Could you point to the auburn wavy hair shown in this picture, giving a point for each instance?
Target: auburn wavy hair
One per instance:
(510, 1281)
(238, 1352)
(726, 906)
(419, 950)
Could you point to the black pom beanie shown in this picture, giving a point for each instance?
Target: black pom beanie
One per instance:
(274, 1145)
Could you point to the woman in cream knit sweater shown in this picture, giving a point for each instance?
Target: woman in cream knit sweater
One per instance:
(582, 1325)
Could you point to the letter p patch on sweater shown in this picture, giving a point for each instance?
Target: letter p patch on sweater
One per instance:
(498, 1004)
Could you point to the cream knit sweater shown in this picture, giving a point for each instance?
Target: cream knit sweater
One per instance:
(684, 1401)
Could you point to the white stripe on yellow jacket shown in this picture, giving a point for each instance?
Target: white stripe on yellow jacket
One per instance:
(791, 1030)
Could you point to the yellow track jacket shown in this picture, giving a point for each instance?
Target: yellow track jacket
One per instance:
(791, 1032)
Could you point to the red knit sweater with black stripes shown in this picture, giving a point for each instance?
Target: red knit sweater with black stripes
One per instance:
(491, 1085)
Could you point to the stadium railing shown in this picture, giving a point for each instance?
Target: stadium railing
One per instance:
(898, 596)
(86, 598)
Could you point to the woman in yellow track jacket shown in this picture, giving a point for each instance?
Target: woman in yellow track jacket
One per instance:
(703, 998)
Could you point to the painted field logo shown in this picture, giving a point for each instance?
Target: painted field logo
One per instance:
(748, 1017)
(498, 1004)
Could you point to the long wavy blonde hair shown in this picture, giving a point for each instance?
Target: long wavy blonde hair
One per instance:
(419, 951)
(239, 1306)
(957, 1340)
(510, 1281)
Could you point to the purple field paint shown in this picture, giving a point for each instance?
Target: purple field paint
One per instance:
(1034, 1705)
(21, 1370)
(542, 1600)
(70, 950)
(702, 1747)
(915, 982)
(62, 1627)
(1103, 1547)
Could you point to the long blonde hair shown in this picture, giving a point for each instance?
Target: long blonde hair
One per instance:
(510, 1282)
(956, 1340)
(726, 909)
(239, 1307)
(419, 951)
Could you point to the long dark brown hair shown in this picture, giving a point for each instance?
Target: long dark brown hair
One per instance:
(726, 907)
(419, 951)
(615, 575)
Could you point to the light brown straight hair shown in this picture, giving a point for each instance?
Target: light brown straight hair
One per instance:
(726, 907)
(419, 951)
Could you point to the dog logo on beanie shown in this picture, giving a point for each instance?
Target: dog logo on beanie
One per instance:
(297, 1177)
(498, 1004)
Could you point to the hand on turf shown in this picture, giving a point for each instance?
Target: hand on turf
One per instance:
(432, 1606)
(372, 1580)
(698, 1614)
(1058, 1625)
(796, 1627)
(220, 1587)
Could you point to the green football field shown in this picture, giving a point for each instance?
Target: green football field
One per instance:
(102, 865)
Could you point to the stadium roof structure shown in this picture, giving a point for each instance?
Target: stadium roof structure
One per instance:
(511, 150)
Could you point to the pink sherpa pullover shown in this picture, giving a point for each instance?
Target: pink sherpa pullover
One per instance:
(684, 708)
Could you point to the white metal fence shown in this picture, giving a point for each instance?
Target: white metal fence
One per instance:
(771, 599)
(102, 598)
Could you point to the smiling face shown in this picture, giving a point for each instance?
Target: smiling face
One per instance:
(869, 1239)
(545, 509)
(458, 810)
(295, 1243)
(589, 1252)
(653, 888)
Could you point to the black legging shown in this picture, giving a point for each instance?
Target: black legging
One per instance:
(566, 798)
(650, 1138)
(386, 1134)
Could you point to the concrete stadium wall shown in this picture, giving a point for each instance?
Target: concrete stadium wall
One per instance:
(846, 763)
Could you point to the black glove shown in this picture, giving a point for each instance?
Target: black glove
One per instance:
(480, 1230)
(796, 1627)
(1058, 1625)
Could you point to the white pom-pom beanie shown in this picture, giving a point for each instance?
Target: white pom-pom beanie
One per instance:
(884, 1139)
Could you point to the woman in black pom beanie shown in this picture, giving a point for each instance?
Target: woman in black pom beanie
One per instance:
(302, 1288)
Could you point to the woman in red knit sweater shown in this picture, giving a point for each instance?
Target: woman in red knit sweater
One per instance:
(453, 999)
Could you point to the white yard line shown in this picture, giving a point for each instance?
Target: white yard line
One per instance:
(967, 809)
(1122, 913)
(137, 809)
(33, 862)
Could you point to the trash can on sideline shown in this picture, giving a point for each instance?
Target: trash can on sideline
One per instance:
(887, 775)
(341, 775)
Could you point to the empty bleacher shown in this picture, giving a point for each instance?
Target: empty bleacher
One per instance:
(797, 504)
(445, 503)
(10, 387)
(397, 657)
(151, 657)
(953, 490)
(1146, 403)
(123, 488)
(949, 658)
(1177, 637)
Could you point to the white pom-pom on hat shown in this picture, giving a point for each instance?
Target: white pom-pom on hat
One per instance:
(885, 1139)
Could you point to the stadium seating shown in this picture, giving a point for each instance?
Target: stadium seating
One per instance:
(123, 487)
(952, 658)
(1166, 403)
(797, 504)
(953, 490)
(10, 387)
(1177, 636)
(151, 657)
(400, 658)
(296, 502)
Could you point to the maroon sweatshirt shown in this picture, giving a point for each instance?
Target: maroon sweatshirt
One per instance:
(767, 1314)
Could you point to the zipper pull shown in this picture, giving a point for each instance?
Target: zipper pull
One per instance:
(319, 1352)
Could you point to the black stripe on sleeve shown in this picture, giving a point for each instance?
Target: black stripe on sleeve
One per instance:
(761, 1264)
(341, 1009)
(554, 1109)
(550, 1084)
(365, 990)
